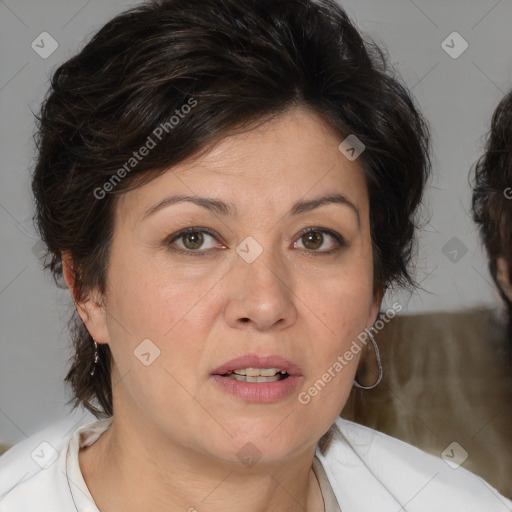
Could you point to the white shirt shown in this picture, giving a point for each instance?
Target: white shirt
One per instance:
(368, 471)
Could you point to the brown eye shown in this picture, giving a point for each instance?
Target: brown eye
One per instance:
(188, 241)
(312, 240)
(192, 240)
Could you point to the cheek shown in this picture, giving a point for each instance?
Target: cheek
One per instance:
(149, 296)
(341, 310)
(344, 318)
(171, 308)
(347, 297)
(156, 327)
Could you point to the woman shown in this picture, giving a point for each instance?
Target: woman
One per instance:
(492, 202)
(228, 188)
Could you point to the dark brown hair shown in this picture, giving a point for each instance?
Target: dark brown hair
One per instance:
(242, 62)
(492, 194)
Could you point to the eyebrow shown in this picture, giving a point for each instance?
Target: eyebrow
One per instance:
(223, 208)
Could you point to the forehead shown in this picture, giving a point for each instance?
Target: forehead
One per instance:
(293, 156)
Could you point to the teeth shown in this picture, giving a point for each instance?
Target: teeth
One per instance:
(259, 372)
(246, 378)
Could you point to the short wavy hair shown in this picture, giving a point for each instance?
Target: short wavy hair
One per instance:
(242, 62)
(492, 192)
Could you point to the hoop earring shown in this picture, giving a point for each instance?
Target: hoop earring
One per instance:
(379, 364)
(96, 357)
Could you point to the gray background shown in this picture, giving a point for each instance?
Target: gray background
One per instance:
(457, 95)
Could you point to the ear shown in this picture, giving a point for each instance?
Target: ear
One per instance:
(375, 307)
(90, 307)
(503, 277)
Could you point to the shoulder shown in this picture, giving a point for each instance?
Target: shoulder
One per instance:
(33, 472)
(369, 470)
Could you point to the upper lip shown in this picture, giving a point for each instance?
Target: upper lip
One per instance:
(256, 361)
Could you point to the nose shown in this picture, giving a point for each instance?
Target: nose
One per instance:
(261, 294)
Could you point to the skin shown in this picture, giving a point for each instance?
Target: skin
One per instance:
(180, 427)
(502, 277)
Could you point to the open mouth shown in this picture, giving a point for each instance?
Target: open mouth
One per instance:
(258, 379)
(257, 375)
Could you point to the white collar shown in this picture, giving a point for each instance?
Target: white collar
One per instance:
(89, 433)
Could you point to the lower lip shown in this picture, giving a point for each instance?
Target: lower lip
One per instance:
(261, 392)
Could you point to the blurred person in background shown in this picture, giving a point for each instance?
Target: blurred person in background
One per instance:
(450, 374)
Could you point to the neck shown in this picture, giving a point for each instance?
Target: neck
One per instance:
(151, 475)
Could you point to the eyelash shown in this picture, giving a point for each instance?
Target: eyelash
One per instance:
(337, 237)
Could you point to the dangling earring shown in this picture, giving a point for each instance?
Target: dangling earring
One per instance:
(96, 357)
(379, 364)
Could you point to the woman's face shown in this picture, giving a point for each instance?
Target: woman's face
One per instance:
(268, 273)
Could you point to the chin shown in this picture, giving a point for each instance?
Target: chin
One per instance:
(272, 438)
